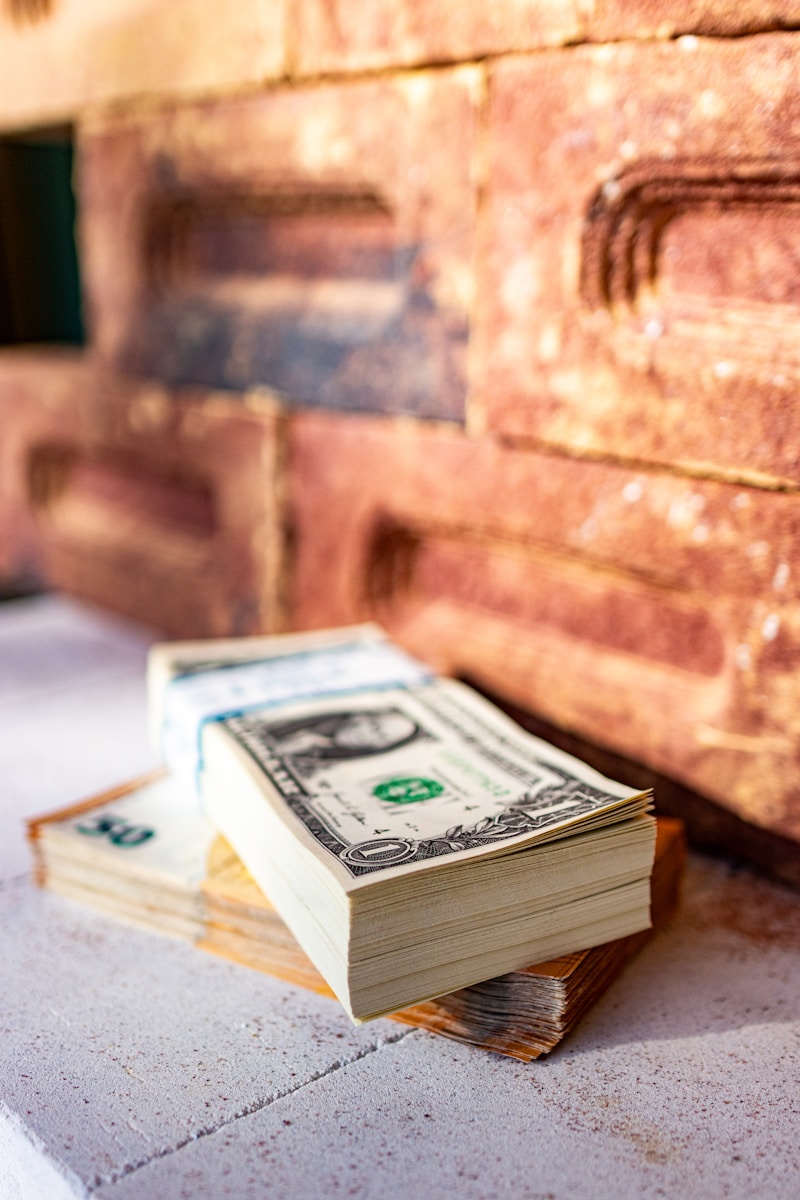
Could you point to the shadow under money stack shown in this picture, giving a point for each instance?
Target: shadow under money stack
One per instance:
(414, 840)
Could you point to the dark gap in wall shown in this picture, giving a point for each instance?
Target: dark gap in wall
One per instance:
(40, 293)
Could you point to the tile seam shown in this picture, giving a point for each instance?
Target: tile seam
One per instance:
(249, 1110)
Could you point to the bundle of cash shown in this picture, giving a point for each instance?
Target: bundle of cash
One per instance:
(147, 855)
(414, 840)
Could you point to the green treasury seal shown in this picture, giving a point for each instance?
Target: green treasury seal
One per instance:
(408, 789)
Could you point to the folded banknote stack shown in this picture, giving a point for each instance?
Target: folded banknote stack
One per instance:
(411, 837)
(146, 855)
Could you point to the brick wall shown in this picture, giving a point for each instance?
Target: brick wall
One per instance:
(479, 323)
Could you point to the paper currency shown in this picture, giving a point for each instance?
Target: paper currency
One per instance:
(412, 837)
(139, 853)
(145, 855)
(399, 778)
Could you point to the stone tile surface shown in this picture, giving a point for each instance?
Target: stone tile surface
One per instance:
(121, 1047)
(49, 647)
(676, 1084)
(72, 705)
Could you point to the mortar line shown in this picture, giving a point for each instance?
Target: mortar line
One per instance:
(248, 1111)
(702, 472)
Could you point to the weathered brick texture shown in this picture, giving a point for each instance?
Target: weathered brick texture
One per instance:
(654, 614)
(547, 292)
(60, 60)
(639, 296)
(159, 505)
(355, 35)
(316, 241)
(78, 54)
(611, 20)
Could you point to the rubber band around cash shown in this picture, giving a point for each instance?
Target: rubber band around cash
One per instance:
(195, 700)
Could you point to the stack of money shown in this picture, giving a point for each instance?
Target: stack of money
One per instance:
(138, 853)
(414, 840)
(146, 854)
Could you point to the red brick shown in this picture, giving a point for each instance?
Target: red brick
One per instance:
(84, 54)
(639, 297)
(355, 35)
(656, 615)
(317, 241)
(611, 20)
(156, 504)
